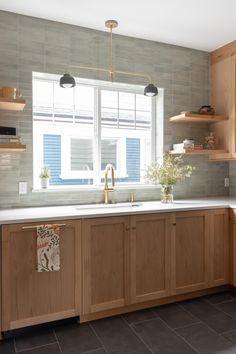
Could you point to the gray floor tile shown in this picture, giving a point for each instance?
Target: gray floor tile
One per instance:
(161, 339)
(175, 317)
(221, 297)
(200, 308)
(117, 337)
(205, 340)
(170, 308)
(34, 339)
(97, 351)
(139, 316)
(7, 346)
(75, 339)
(47, 349)
(220, 322)
(229, 308)
(231, 336)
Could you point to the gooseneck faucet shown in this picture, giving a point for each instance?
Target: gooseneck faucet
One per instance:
(108, 189)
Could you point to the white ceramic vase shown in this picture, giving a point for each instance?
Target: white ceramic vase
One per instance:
(44, 182)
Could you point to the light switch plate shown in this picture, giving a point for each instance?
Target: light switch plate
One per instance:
(22, 187)
(226, 183)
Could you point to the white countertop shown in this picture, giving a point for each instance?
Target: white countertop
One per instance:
(20, 215)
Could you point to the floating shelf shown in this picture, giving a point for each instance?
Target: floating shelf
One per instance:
(11, 104)
(198, 152)
(197, 118)
(11, 147)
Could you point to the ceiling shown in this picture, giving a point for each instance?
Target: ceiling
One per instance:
(199, 24)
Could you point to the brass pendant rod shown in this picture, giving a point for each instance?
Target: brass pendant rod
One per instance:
(109, 71)
(111, 58)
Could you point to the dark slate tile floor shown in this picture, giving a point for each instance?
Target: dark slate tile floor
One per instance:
(205, 325)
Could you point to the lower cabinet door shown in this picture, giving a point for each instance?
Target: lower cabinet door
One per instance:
(106, 247)
(30, 297)
(219, 247)
(150, 256)
(191, 252)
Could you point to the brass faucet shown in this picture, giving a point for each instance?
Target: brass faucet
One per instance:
(108, 168)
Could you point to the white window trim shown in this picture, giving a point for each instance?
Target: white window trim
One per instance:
(156, 139)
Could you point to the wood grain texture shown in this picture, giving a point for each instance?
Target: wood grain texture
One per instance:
(219, 247)
(28, 294)
(153, 303)
(223, 100)
(224, 52)
(190, 252)
(150, 256)
(106, 248)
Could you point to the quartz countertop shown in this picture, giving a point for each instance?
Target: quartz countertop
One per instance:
(34, 214)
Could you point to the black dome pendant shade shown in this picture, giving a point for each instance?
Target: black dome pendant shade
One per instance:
(150, 90)
(67, 81)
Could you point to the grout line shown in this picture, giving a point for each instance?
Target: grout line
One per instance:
(36, 347)
(136, 335)
(92, 351)
(57, 340)
(138, 322)
(99, 339)
(14, 344)
(179, 336)
(206, 324)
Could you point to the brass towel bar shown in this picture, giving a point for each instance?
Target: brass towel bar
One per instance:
(34, 227)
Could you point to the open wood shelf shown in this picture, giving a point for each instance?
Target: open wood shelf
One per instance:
(197, 118)
(11, 104)
(198, 152)
(12, 147)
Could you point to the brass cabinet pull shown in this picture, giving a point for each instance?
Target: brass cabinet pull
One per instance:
(34, 227)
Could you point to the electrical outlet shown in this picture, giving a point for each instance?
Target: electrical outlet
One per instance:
(226, 182)
(22, 187)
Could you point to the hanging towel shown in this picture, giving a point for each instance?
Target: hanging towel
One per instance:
(48, 248)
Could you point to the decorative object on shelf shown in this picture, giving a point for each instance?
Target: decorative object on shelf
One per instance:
(210, 141)
(207, 110)
(168, 173)
(10, 92)
(44, 176)
(186, 144)
(67, 81)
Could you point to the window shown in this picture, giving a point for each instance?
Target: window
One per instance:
(78, 131)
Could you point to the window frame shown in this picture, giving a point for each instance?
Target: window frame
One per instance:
(120, 172)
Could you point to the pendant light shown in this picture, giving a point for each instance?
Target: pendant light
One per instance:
(67, 81)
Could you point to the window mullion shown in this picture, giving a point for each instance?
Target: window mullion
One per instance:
(97, 136)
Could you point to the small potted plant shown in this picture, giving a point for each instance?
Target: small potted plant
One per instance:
(44, 176)
(168, 173)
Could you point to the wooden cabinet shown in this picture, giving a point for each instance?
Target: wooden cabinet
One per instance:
(30, 297)
(223, 91)
(106, 263)
(219, 247)
(150, 256)
(232, 234)
(190, 251)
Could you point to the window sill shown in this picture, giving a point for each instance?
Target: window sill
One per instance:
(56, 189)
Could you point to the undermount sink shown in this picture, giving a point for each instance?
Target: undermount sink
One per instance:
(107, 206)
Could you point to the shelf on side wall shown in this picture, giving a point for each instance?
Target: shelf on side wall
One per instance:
(198, 152)
(197, 118)
(11, 104)
(12, 147)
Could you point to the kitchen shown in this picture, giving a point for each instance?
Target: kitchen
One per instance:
(127, 257)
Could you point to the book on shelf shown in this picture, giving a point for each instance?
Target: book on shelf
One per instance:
(182, 146)
(10, 139)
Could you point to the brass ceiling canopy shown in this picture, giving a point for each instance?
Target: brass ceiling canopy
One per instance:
(67, 81)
